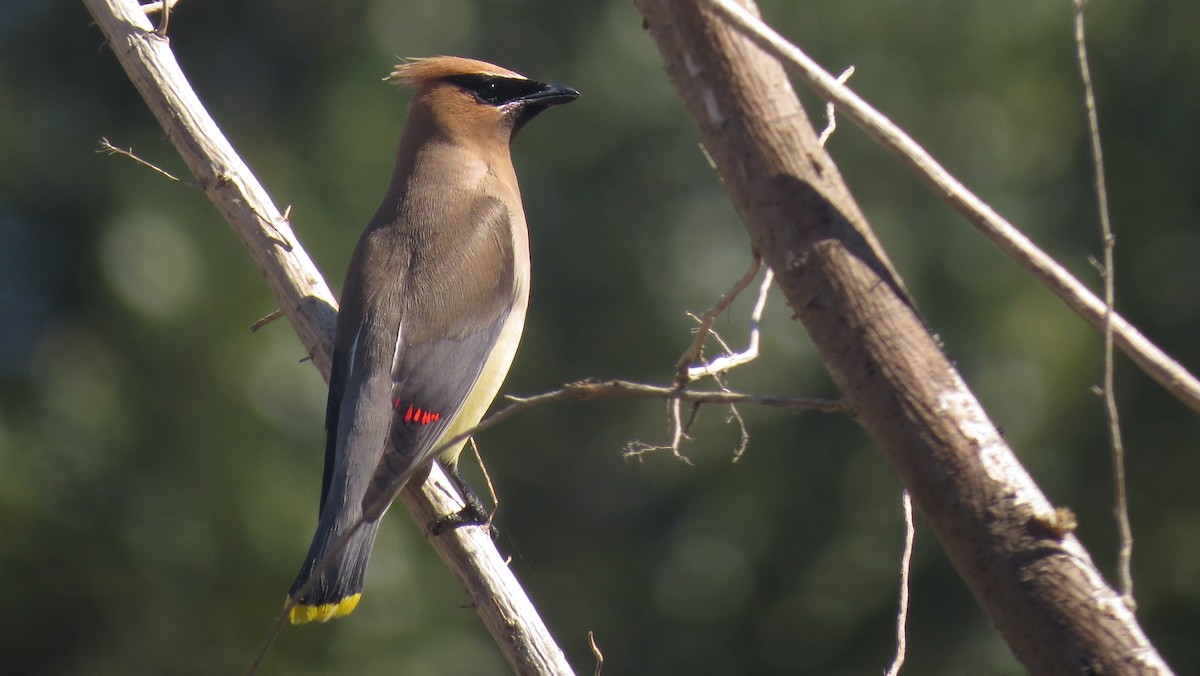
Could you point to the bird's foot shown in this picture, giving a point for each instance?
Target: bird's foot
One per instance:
(472, 514)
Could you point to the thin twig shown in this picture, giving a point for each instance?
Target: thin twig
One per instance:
(677, 432)
(596, 652)
(734, 359)
(1121, 508)
(108, 148)
(261, 655)
(266, 319)
(621, 388)
(156, 6)
(830, 110)
(910, 532)
(585, 390)
(487, 479)
(166, 18)
(743, 432)
(1153, 361)
(694, 351)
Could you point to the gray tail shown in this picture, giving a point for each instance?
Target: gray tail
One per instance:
(336, 587)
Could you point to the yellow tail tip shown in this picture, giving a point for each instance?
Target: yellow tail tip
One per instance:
(302, 614)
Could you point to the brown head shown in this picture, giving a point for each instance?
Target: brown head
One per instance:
(474, 101)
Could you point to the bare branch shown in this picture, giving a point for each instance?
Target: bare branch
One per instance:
(691, 365)
(623, 389)
(156, 6)
(487, 480)
(730, 359)
(743, 432)
(678, 429)
(1152, 360)
(584, 390)
(910, 533)
(108, 148)
(266, 319)
(1121, 508)
(166, 18)
(596, 652)
(696, 349)
(831, 110)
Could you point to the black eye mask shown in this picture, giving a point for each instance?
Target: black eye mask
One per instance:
(495, 90)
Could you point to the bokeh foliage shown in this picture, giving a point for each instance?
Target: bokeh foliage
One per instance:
(159, 464)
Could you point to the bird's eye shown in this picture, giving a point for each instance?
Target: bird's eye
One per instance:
(495, 90)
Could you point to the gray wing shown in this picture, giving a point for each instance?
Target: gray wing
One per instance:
(452, 305)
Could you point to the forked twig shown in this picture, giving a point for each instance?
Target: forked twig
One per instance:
(731, 359)
(694, 351)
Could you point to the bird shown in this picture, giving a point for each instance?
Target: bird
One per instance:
(432, 309)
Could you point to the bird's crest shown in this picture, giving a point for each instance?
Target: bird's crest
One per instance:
(416, 72)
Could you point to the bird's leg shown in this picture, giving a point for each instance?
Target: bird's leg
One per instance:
(473, 512)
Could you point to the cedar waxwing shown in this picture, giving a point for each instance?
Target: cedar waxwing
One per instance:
(432, 309)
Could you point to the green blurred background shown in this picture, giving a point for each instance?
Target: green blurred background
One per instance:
(160, 464)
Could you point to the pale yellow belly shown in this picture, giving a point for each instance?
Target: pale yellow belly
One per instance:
(491, 378)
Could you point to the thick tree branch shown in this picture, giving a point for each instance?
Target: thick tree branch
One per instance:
(1153, 361)
(1034, 579)
(310, 306)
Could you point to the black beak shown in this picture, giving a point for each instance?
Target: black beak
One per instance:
(551, 95)
(535, 102)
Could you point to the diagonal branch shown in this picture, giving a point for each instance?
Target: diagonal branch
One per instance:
(1152, 360)
(309, 305)
(1037, 584)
